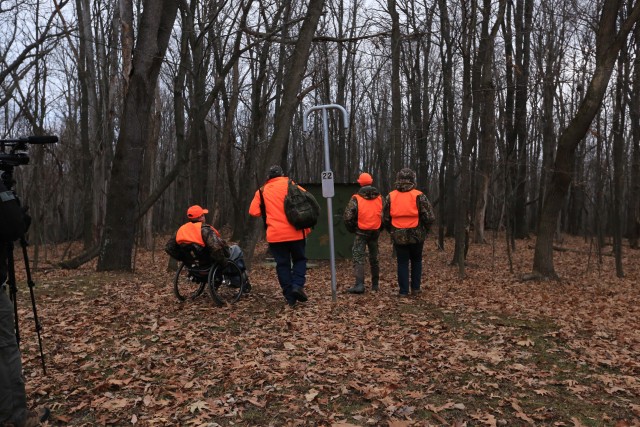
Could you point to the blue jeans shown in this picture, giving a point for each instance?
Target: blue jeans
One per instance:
(406, 253)
(291, 265)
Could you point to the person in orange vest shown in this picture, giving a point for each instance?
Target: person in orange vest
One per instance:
(407, 214)
(286, 243)
(198, 232)
(363, 216)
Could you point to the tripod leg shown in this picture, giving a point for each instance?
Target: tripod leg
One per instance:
(25, 255)
(13, 290)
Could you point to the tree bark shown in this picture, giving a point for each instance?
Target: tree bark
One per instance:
(84, 61)
(510, 135)
(618, 127)
(155, 30)
(633, 212)
(396, 97)
(447, 177)
(471, 76)
(523, 19)
(487, 118)
(609, 40)
(550, 71)
(284, 115)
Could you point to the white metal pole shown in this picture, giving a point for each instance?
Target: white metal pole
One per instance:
(327, 167)
(328, 193)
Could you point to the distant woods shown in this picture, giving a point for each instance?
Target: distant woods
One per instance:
(519, 116)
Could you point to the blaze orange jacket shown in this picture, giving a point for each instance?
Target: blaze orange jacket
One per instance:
(404, 208)
(190, 232)
(369, 213)
(278, 227)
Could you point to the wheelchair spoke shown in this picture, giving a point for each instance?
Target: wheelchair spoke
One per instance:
(187, 284)
(226, 284)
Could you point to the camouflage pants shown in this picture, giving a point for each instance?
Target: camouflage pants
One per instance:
(360, 245)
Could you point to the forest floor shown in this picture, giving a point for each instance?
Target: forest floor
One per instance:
(487, 350)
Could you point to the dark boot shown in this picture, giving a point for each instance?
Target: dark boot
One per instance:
(375, 278)
(358, 288)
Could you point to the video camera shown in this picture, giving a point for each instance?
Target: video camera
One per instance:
(17, 155)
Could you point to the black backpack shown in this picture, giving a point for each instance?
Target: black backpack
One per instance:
(12, 218)
(300, 207)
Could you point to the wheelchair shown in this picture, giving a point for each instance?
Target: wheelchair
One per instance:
(226, 283)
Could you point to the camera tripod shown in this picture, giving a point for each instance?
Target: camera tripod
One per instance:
(8, 247)
(13, 291)
(17, 156)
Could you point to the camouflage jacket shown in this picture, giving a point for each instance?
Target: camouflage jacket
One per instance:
(350, 216)
(406, 236)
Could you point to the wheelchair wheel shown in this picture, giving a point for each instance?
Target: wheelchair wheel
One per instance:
(226, 284)
(188, 285)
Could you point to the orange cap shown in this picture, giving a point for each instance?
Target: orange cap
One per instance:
(365, 179)
(196, 211)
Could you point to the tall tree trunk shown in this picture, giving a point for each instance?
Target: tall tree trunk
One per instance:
(609, 41)
(549, 87)
(471, 75)
(148, 178)
(487, 118)
(396, 97)
(633, 212)
(447, 177)
(598, 216)
(510, 135)
(155, 30)
(618, 127)
(523, 18)
(257, 131)
(84, 61)
(292, 80)
(426, 114)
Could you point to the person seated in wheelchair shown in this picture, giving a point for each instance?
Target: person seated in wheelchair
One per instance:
(200, 246)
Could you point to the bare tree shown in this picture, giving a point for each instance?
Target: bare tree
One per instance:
(293, 78)
(618, 127)
(156, 26)
(633, 212)
(488, 120)
(609, 40)
(446, 177)
(523, 19)
(396, 104)
(19, 56)
(549, 60)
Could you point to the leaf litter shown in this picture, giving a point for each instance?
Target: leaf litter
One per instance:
(486, 350)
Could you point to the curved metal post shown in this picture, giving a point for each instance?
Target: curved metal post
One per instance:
(328, 191)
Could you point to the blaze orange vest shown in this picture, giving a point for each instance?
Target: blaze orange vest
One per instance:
(191, 232)
(369, 212)
(278, 227)
(404, 208)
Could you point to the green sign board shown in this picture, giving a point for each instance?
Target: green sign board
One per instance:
(318, 240)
